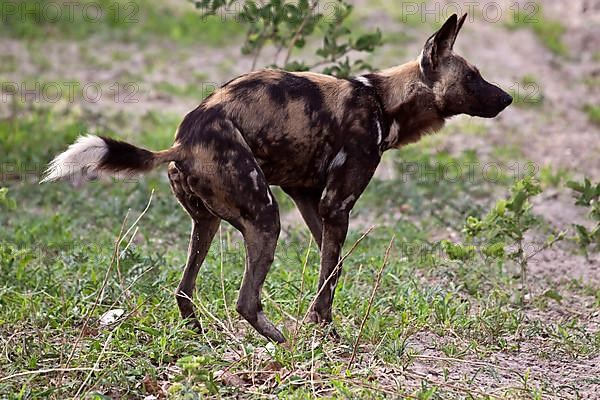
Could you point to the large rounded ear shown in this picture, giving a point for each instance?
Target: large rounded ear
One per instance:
(440, 43)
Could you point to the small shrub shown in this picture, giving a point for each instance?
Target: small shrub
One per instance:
(287, 26)
(587, 195)
(500, 234)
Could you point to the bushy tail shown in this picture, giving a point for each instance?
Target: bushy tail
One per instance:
(94, 155)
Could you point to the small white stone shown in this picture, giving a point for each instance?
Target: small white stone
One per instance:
(270, 347)
(111, 316)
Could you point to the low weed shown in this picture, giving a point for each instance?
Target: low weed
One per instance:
(553, 177)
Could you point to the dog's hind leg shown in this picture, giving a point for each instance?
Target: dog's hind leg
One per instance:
(245, 200)
(260, 237)
(232, 185)
(204, 227)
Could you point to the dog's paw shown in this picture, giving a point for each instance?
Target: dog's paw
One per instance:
(332, 333)
(324, 325)
(314, 317)
(194, 325)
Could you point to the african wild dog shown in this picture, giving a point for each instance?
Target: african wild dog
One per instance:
(317, 137)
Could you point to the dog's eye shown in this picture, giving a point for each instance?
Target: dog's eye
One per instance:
(471, 76)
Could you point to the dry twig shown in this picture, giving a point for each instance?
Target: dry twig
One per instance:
(335, 271)
(371, 299)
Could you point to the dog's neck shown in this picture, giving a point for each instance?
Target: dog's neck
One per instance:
(408, 103)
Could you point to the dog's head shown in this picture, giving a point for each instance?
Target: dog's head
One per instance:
(458, 86)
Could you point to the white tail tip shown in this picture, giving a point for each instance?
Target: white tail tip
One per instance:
(84, 155)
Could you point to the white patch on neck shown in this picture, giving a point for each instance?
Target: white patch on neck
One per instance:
(345, 203)
(254, 177)
(338, 160)
(420, 61)
(379, 132)
(364, 80)
(269, 196)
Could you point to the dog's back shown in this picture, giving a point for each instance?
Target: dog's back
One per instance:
(294, 123)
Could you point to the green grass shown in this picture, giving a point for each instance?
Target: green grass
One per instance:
(593, 113)
(197, 90)
(553, 177)
(527, 93)
(550, 32)
(591, 82)
(23, 149)
(57, 244)
(123, 20)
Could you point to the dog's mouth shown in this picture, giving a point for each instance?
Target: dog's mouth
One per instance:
(494, 106)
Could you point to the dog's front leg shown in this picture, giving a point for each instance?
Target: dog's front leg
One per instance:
(335, 228)
(347, 179)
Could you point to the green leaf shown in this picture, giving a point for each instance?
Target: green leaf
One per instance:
(517, 202)
(495, 250)
(6, 201)
(553, 294)
(500, 207)
(583, 235)
(296, 66)
(457, 251)
(575, 186)
(368, 42)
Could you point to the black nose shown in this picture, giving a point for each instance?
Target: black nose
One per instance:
(506, 100)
